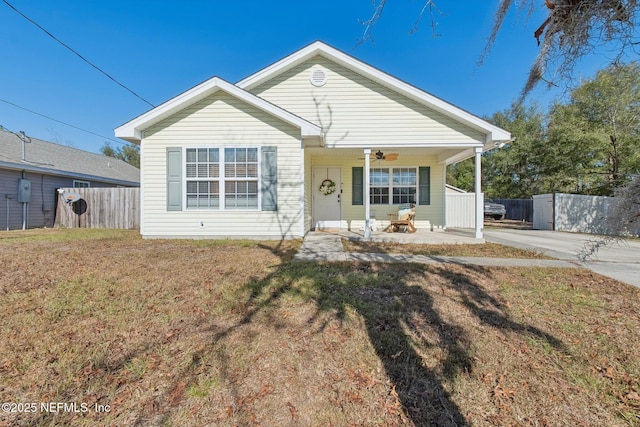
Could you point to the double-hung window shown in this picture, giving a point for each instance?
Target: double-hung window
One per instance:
(404, 185)
(379, 190)
(222, 178)
(241, 178)
(393, 186)
(203, 178)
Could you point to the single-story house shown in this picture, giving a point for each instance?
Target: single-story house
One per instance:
(31, 171)
(317, 140)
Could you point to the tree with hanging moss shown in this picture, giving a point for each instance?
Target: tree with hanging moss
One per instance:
(571, 30)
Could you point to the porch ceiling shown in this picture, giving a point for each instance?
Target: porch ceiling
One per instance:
(444, 155)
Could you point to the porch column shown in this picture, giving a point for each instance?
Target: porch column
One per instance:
(367, 203)
(479, 197)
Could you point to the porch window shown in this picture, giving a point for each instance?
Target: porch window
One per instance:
(404, 185)
(215, 175)
(379, 189)
(393, 185)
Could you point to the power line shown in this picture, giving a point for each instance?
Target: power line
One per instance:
(61, 122)
(75, 52)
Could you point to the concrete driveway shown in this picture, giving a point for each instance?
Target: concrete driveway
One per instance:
(620, 261)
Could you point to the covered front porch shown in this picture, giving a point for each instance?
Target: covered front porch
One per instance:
(358, 190)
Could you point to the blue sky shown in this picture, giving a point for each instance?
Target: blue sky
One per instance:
(162, 48)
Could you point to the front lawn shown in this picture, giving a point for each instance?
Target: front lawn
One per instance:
(192, 333)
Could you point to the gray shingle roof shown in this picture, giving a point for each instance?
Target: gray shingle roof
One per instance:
(55, 159)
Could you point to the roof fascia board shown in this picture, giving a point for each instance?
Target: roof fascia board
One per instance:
(133, 130)
(460, 156)
(286, 63)
(492, 132)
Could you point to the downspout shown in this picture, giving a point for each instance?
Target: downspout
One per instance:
(8, 197)
(24, 205)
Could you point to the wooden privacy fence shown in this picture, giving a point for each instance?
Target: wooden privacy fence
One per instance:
(99, 208)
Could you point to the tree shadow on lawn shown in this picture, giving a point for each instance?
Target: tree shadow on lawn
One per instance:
(422, 347)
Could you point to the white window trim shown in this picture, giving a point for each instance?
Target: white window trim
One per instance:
(221, 179)
(390, 186)
(79, 181)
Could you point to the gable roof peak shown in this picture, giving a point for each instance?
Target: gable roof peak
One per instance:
(133, 130)
(492, 132)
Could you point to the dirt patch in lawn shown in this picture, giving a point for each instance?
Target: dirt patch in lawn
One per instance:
(170, 332)
(492, 250)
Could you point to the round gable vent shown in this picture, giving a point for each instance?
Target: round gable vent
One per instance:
(318, 77)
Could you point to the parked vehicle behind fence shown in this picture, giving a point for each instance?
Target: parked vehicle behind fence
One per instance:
(494, 210)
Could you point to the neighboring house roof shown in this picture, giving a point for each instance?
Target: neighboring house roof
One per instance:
(493, 133)
(54, 159)
(132, 130)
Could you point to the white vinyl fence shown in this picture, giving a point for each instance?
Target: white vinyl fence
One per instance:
(571, 212)
(461, 210)
(543, 212)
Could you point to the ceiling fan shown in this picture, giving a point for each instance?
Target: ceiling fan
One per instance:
(379, 155)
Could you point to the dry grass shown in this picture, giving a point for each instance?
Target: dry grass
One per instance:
(492, 250)
(182, 333)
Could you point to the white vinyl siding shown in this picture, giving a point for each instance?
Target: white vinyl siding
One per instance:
(357, 111)
(221, 121)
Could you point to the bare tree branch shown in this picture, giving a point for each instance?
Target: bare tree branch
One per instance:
(571, 30)
(370, 23)
(432, 8)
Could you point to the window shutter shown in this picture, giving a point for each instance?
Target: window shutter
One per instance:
(269, 185)
(174, 178)
(357, 186)
(424, 185)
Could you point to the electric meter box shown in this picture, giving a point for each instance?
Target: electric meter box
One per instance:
(24, 191)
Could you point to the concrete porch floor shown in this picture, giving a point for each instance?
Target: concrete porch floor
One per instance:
(457, 236)
(327, 246)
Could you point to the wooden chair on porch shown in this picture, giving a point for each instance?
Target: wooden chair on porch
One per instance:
(403, 220)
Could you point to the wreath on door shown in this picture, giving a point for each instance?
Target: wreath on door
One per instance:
(327, 187)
